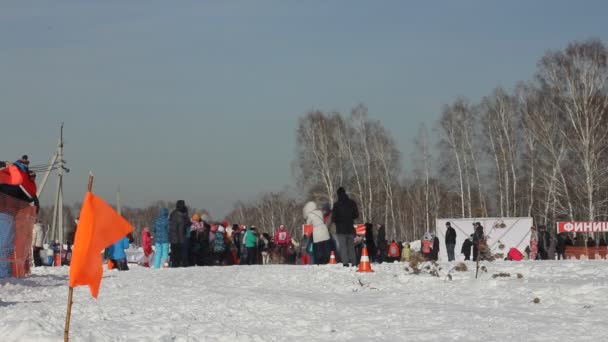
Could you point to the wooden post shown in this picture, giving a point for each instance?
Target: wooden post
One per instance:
(68, 316)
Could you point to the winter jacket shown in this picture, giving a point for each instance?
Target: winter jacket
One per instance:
(117, 250)
(38, 238)
(427, 246)
(369, 239)
(435, 251)
(514, 255)
(179, 223)
(314, 216)
(561, 244)
(250, 239)
(478, 236)
(160, 230)
(466, 247)
(382, 244)
(344, 214)
(282, 237)
(146, 241)
(197, 226)
(450, 236)
(394, 251)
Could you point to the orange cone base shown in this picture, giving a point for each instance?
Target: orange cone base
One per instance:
(364, 264)
(332, 258)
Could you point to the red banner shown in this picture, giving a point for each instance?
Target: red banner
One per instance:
(582, 227)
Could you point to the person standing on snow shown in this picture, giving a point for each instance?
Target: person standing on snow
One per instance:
(320, 233)
(370, 242)
(382, 249)
(282, 240)
(533, 244)
(118, 255)
(344, 214)
(394, 252)
(160, 234)
(37, 243)
(197, 235)
(406, 252)
(146, 244)
(179, 222)
(450, 241)
(478, 239)
(435, 250)
(251, 243)
(427, 246)
(466, 248)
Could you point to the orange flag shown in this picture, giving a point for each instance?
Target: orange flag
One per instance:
(99, 226)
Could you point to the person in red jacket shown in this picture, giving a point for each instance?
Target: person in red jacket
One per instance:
(146, 244)
(394, 252)
(282, 240)
(427, 245)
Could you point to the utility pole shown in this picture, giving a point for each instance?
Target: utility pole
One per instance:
(57, 227)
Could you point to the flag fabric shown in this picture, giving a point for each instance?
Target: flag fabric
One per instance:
(99, 226)
(11, 175)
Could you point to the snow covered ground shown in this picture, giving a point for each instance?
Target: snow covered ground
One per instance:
(311, 303)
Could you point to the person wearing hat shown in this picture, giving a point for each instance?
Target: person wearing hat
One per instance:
(450, 240)
(197, 236)
(466, 247)
(343, 215)
(179, 223)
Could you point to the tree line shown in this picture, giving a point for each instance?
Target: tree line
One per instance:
(539, 150)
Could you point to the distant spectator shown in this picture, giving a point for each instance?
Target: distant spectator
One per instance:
(118, 255)
(344, 214)
(466, 247)
(450, 241)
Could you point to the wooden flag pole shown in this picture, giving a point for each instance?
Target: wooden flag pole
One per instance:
(68, 316)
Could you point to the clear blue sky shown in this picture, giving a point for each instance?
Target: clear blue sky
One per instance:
(198, 100)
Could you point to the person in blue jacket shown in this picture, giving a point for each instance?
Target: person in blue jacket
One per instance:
(118, 255)
(160, 234)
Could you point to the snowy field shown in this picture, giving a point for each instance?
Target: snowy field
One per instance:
(311, 303)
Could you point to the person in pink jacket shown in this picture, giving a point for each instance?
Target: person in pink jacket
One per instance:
(146, 243)
(282, 240)
(533, 243)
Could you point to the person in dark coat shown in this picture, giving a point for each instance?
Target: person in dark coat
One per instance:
(343, 215)
(179, 222)
(602, 242)
(466, 247)
(369, 241)
(435, 250)
(382, 244)
(590, 242)
(450, 240)
(478, 238)
(560, 247)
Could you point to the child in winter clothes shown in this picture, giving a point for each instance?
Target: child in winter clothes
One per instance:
(197, 230)
(393, 252)
(406, 252)
(146, 244)
(533, 244)
(161, 238)
(118, 255)
(427, 245)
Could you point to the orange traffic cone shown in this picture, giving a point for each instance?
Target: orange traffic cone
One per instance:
(332, 258)
(364, 264)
